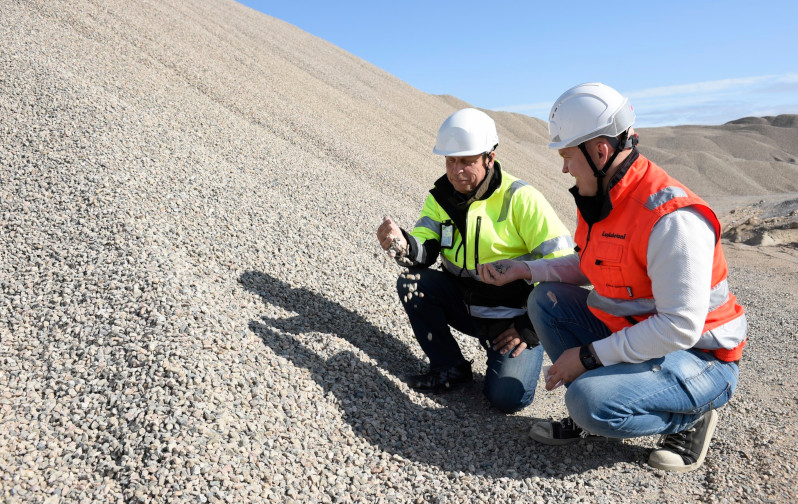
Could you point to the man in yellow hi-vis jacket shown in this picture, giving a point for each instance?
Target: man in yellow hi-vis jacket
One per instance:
(475, 213)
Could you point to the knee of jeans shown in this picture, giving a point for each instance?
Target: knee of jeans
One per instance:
(588, 409)
(508, 395)
(541, 300)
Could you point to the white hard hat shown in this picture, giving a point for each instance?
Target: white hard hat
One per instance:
(465, 133)
(588, 111)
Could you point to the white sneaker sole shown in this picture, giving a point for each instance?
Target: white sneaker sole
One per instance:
(675, 467)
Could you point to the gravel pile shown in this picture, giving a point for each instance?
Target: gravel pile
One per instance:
(193, 307)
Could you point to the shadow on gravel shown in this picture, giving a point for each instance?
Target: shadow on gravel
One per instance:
(317, 314)
(464, 435)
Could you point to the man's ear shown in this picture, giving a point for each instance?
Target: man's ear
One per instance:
(603, 149)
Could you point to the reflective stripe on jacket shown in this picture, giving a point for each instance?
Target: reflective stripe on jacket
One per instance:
(514, 221)
(613, 257)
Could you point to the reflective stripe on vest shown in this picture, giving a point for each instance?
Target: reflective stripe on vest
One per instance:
(429, 223)
(419, 248)
(488, 312)
(458, 271)
(518, 184)
(549, 247)
(718, 296)
(495, 312)
(663, 196)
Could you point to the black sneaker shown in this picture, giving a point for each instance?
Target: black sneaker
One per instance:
(685, 451)
(563, 432)
(442, 379)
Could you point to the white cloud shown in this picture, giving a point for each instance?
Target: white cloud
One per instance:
(701, 87)
(708, 102)
(716, 102)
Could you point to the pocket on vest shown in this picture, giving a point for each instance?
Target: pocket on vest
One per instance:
(614, 284)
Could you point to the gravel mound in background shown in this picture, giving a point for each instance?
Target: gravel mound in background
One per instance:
(193, 307)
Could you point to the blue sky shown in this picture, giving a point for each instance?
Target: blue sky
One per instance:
(699, 62)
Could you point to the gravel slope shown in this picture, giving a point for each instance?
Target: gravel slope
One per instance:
(194, 307)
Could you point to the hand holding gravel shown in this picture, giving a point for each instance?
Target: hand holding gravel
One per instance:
(391, 239)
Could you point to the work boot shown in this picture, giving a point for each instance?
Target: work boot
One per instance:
(563, 432)
(685, 451)
(442, 379)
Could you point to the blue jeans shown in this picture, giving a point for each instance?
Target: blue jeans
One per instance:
(658, 396)
(509, 382)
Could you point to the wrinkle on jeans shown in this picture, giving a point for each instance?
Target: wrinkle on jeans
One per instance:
(618, 412)
(684, 382)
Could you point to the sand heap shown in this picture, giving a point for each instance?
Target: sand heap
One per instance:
(193, 306)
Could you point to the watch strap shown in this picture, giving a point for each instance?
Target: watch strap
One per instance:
(588, 359)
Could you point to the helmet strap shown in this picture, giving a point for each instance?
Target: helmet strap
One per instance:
(618, 144)
(598, 173)
(595, 208)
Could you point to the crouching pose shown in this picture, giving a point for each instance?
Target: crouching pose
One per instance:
(475, 212)
(654, 347)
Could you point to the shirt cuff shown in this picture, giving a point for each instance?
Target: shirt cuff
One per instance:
(604, 351)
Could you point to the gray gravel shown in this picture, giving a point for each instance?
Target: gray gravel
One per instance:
(194, 307)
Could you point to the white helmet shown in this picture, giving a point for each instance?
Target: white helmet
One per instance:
(588, 111)
(467, 132)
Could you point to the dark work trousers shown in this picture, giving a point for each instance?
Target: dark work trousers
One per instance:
(509, 382)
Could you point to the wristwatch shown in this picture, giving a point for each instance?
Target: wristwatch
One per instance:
(588, 359)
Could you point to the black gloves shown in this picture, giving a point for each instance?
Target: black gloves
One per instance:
(524, 328)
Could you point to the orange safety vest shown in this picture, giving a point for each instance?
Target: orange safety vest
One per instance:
(612, 253)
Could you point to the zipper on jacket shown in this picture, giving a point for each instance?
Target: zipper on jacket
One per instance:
(464, 245)
(476, 242)
(587, 241)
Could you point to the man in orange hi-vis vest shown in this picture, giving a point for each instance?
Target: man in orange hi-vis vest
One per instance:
(654, 347)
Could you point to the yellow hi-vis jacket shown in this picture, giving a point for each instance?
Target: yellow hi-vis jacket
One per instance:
(512, 220)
